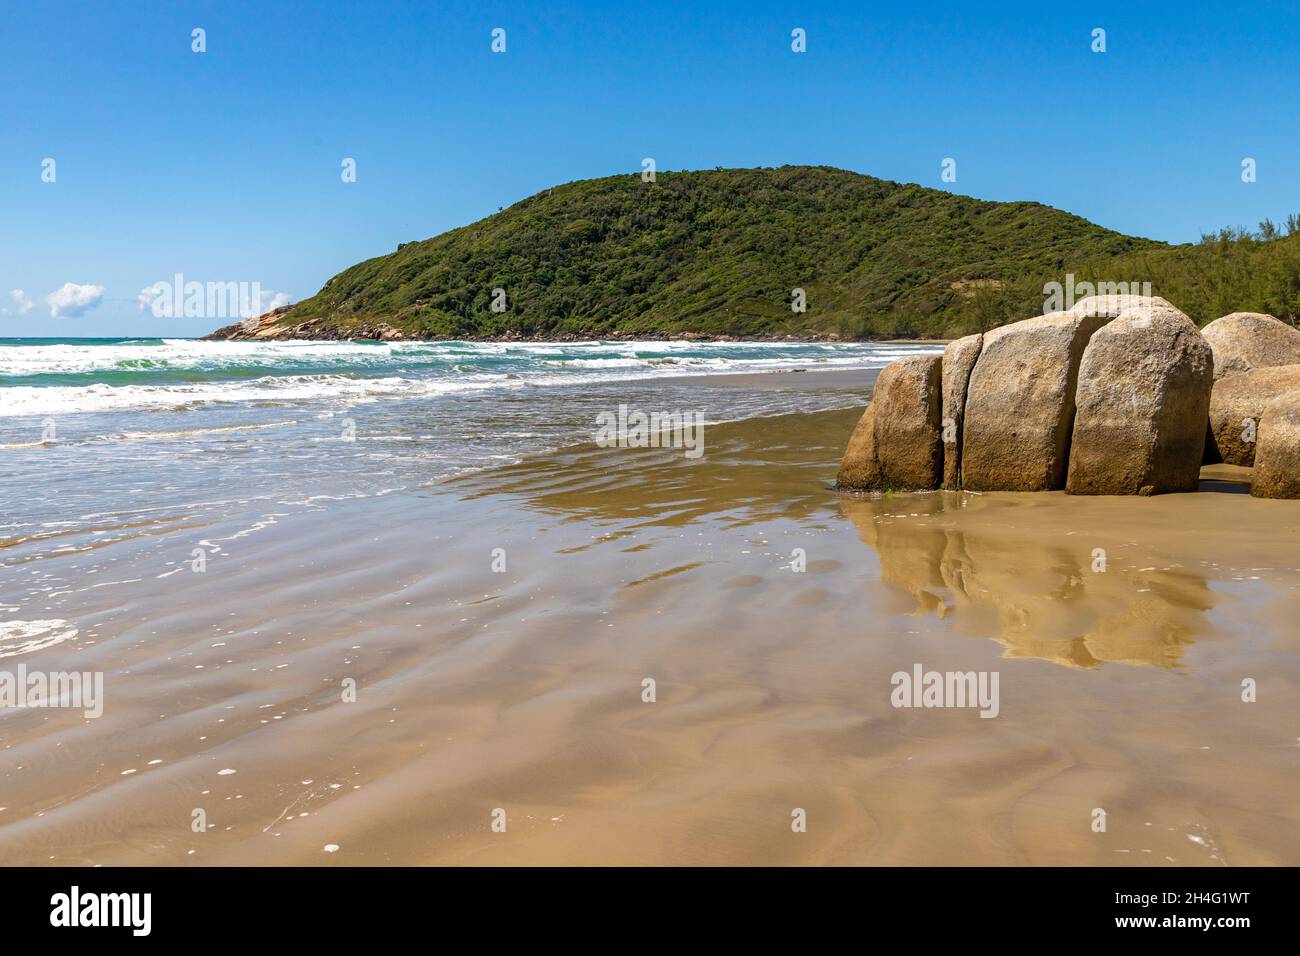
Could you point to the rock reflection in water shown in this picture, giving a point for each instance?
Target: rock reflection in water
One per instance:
(1019, 569)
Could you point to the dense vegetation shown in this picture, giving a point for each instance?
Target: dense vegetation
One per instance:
(719, 252)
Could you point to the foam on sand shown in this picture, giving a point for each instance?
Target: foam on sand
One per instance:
(24, 637)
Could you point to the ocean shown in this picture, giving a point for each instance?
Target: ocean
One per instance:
(109, 444)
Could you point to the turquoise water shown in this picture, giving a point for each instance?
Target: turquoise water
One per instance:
(55, 376)
(109, 447)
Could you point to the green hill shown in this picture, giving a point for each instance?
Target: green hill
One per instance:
(719, 252)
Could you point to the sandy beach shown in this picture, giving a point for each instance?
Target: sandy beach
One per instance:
(498, 628)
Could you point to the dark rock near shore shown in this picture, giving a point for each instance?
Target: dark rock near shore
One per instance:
(269, 327)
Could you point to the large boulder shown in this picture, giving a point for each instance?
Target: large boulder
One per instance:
(1141, 403)
(908, 421)
(860, 469)
(1117, 304)
(896, 445)
(958, 362)
(1237, 404)
(1020, 403)
(1244, 341)
(1277, 457)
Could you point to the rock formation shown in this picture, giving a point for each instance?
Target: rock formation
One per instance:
(907, 427)
(1277, 455)
(1141, 404)
(958, 363)
(1238, 403)
(1244, 341)
(896, 445)
(1020, 403)
(860, 469)
(1121, 395)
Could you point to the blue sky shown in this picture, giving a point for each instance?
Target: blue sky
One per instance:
(225, 165)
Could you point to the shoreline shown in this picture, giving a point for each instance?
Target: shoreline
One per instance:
(581, 339)
(523, 341)
(381, 332)
(522, 689)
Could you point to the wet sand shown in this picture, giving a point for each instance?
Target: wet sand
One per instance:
(522, 689)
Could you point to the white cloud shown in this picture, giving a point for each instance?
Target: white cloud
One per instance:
(271, 300)
(73, 299)
(21, 304)
(151, 294)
